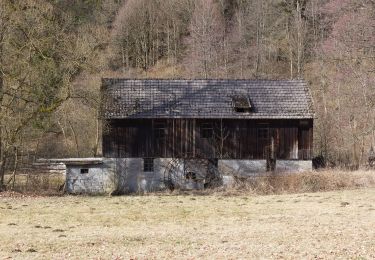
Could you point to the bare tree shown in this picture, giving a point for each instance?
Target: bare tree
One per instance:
(344, 61)
(206, 36)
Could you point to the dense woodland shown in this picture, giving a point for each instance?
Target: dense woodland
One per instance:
(53, 54)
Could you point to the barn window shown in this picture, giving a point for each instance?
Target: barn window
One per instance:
(241, 104)
(215, 162)
(84, 170)
(148, 164)
(191, 176)
(207, 130)
(159, 130)
(263, 133)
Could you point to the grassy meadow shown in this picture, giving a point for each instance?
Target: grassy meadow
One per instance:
(323, 225)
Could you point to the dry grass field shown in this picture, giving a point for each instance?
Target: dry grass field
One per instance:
(329, 225)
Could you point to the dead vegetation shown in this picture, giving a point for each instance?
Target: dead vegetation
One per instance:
(327, 225)
(36, 184)
(315, 181)
(276, 183)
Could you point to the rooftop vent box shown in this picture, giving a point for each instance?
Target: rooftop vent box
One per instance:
(242, 104)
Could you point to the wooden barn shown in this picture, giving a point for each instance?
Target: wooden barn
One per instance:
(212, 119)
(193, 133)
(242, 126)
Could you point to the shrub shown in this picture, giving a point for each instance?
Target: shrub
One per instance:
(314, 181)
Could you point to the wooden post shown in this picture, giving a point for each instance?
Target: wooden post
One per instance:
(271, 155)
(2, 157)
(1, 141)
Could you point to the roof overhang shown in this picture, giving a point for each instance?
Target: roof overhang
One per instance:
(73, 161)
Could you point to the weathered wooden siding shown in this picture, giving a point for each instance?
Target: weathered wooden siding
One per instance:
(201, 138)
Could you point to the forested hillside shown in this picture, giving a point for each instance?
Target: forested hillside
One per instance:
(53, 54)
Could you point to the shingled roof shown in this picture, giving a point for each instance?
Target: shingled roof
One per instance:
(159, 98)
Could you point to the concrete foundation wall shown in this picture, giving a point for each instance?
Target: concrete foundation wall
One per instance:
(126, 175)
(242, 167)
(176, 168)
(130, 177)
(293, 166)
(256, 167)
(98, 179)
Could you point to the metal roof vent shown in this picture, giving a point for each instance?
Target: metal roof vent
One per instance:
(241, 104)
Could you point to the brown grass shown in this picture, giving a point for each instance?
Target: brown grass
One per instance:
(315, 181)
(37, 184)
(327, 180)
(327, 225)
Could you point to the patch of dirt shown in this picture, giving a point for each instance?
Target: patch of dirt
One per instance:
(58, 230)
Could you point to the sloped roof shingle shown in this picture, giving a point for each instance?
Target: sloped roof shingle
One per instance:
(158, 98)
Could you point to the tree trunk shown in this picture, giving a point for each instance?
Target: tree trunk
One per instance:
(14, 168)
(2, 161)
(75, 138)
(123, 58)
(97, 138)
(2, 158)
(2, 171)
(300, 40)
(290, 50)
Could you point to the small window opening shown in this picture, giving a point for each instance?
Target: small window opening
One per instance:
(159, 130)
(263, 133)
(191, 176)
(148, 164)
(207, 130)
(216, 162)
(84, 171)
(241, 104)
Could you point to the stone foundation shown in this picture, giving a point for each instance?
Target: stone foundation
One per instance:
(257, 167)
(293, 166)
(242, 167)
(97, 180)
(126, 175)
